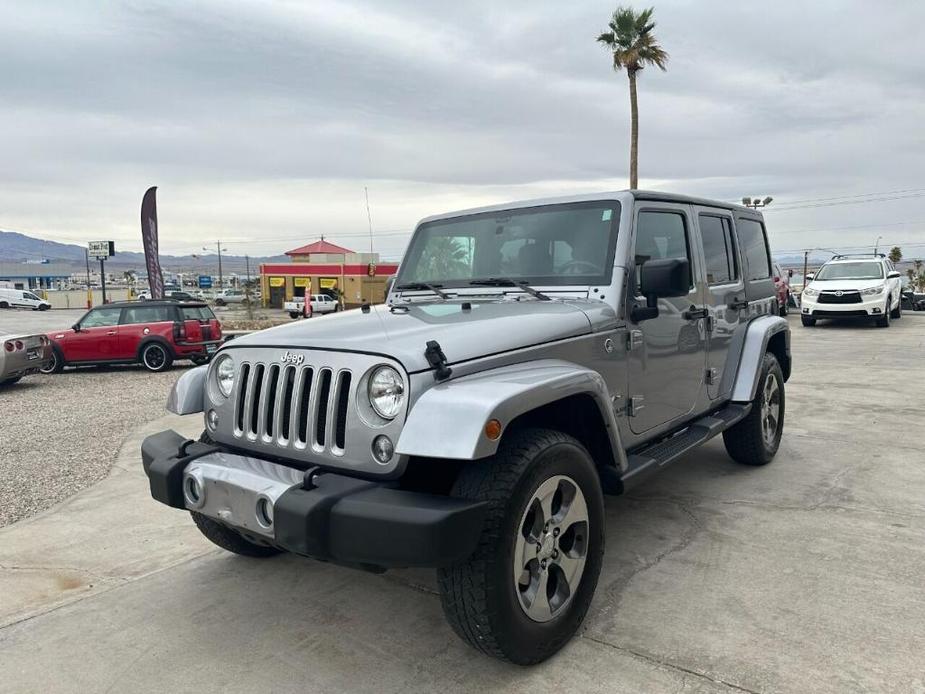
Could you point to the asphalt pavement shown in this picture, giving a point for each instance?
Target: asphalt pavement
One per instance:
(805, 575)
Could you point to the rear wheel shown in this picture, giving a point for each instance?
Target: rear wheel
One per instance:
(155, 357)
(755, 439)
(219, 302)
(294, 314)
(526, 589)
(808, 321)
(4, 304)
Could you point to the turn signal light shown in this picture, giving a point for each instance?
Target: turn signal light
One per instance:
(493, 429)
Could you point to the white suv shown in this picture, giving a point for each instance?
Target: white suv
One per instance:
(853, 287)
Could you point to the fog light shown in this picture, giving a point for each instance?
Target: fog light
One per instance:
(383, 449)
(212, 419)
(264, 513)
(192, 490)
(876, 310)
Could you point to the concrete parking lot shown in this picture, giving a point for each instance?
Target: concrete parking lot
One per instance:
(802, 576)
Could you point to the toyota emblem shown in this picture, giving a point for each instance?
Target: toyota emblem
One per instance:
(839, 293)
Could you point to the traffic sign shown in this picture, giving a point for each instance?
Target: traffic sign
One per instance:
(205, 281)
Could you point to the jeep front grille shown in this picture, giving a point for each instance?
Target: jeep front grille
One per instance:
(287, 406)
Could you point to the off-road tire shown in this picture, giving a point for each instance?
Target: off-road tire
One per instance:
(745, 441)
(57, 362)
(225, 537)
(807, 321)
(884, 320)
(147, 355)
(478, 595)
(898, 313)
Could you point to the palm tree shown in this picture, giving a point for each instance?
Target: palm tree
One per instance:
(896, 254)
(634, 46)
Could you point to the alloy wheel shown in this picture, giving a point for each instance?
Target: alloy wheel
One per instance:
(770, 409)
(154, 357)
(551, 548)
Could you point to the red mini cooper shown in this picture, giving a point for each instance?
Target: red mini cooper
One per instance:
(151, 333)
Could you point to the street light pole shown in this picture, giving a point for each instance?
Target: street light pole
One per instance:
(218, 246)
(877, 244)
(755, 203)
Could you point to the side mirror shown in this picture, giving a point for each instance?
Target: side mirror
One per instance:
(810, 276)
(668, 277)
(893, 274)
(76, 327)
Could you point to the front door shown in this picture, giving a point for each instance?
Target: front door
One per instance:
(98, 338)
(666, 362)
(725, 297)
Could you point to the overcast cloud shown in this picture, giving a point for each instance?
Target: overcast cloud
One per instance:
(262, 122)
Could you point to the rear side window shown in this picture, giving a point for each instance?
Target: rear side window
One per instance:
(200, 313)
(660, 235)
(147, 314)
(718, 249)
(754, 249)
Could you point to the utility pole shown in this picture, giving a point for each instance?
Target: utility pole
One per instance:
(805, 268)
(369, 219)
(877, 244)
(89, 288)
(218, 246)
(755, 203)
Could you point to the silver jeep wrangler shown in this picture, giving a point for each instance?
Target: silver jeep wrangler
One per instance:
(531, 358)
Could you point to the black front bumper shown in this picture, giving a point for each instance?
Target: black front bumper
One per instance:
(340, 518)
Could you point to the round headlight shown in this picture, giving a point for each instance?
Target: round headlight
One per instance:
(224, 375)
(386, 392)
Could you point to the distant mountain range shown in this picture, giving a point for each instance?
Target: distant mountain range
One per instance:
(19, 248)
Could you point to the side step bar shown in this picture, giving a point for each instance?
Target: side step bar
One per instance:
(655, 456)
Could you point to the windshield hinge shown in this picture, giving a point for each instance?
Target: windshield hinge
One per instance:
(437, 359)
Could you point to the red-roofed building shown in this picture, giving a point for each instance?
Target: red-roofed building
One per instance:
(323, 267)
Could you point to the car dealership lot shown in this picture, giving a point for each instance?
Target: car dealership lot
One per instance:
(804, 575)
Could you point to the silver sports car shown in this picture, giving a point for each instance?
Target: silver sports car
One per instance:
(21, 355)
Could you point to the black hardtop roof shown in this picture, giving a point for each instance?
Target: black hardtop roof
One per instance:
(152, 302)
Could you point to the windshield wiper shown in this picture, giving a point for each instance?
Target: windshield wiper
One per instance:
(423, 286)
(507, 282)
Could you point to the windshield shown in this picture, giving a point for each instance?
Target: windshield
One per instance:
(869, 270)
(570, 244)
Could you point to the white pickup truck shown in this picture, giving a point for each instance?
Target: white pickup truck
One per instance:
(320, 303)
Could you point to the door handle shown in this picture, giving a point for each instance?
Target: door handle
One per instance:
(694, 313)
(111, 332)
(736, 304)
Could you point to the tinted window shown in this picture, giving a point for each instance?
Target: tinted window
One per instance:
(148, 314)
(754, 249)
(101, 317)
(31, 296)
(718, 249)
(202, 313)
(660, 235)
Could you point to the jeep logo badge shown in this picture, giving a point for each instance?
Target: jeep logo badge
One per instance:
(290, 358)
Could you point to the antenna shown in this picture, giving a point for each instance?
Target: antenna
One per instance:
(369, 217)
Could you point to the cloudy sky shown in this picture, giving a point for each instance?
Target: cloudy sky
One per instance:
(262, 122)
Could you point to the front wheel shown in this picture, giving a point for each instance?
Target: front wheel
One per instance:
(755, 439)
(219, 302)
(898, 311)
(883, 321)
(44, 307)
(526, 589)
(294, 314)
(55, 365)
(155, 357)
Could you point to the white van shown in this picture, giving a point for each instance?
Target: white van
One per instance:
(21, 298)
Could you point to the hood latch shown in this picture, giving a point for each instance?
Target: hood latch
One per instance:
(437, 359)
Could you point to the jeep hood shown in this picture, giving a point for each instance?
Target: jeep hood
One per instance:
(488, 327)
